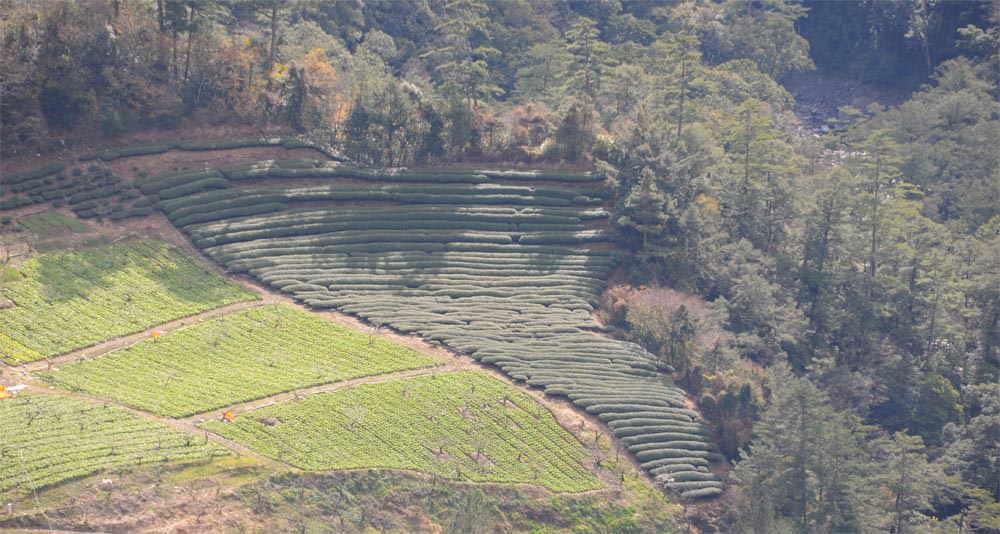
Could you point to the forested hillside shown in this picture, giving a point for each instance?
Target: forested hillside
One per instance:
(825, 289)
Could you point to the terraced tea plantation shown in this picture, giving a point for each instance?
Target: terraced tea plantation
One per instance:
(69, 300)
(49, 439)
(90, 191)
(502, 265)
(239, 357)
(462, 425)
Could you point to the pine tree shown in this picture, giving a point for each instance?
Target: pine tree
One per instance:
(589, 59)
(760, 167)
(356, 133)
(880, 164)
(908, 479)
(464, 64)
(644, 207)
(804, 466)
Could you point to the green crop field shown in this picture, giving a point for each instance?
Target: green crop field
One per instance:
(506, 272)
(69, 300)
(48, 439)
(238, 357)
(462, 425)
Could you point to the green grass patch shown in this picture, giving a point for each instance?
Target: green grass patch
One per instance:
(463, 425)
(230, 470)
(49, 439)
(69, 300)
(239, 357)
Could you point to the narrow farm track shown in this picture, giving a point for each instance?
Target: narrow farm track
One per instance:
(179, 424)
(302, 393)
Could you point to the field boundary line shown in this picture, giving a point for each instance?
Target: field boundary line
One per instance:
(121, 342)
(38, 387)
(301, 393)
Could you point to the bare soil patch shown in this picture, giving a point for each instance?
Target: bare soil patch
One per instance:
(197, 160)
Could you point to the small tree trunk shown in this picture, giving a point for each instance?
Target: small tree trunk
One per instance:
(187, 55)
(173, 62)
(274, 42)
(874, 234)
(680, 105)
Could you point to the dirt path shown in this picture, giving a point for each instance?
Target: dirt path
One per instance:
(179, 424)
(129, 340)
(302, 393)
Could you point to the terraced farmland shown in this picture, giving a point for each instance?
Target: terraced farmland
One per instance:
(69, 300)
(91, 191)
(478, 260)
(239, 357)
(462, 425)
(48, 439)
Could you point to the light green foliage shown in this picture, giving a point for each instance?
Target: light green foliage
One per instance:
(589, 59)
(69, 300)
(761, 31)
(938, 403)
(49, 439)
(544, 68)
(947, 135)
(464, 66)
(462, 425)
(239, 357)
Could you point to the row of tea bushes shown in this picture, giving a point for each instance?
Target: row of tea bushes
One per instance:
(505, 272)
(91, 192)
(112, 154)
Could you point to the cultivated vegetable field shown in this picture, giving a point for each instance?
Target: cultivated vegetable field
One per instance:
(48, 439)
(463, 425)
(69, 300)
(239, 357)
(478, 260)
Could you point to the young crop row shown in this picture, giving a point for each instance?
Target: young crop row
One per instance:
(462, 425)
(239, 357)
(323, 169)
(217, 144)
(69, 300)
(456, 214)
(280, 225)
(50, 439)
(438, 194)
